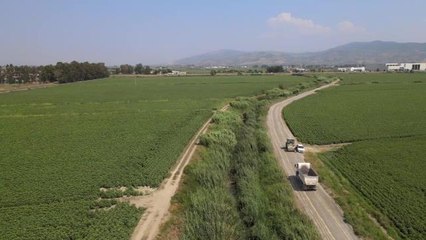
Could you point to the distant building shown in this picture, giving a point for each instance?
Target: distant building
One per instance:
(406, 66)
(351, 69)
(300, 70)
(357, 69)
(176, 73)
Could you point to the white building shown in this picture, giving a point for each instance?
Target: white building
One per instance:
(351, 69)
(406, 66)
(357, 69)
(176, 73)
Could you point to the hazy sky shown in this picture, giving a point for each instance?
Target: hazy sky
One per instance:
(155, 32)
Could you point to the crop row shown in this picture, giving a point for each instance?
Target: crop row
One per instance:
(392, 180)
(351, 113)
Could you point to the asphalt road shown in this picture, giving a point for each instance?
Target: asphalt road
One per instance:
(318, 205)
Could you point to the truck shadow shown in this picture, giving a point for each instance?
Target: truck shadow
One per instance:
(296, 184)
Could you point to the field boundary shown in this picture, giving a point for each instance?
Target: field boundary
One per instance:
(24, 87)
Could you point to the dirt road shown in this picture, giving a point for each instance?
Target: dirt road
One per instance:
(318, 205)
(157, 203)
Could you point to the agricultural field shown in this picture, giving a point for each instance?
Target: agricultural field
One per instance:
(363, 107)
(389, 173)
(60, 145)
(384, 117)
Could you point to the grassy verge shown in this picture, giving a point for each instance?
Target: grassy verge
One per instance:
(236, 189)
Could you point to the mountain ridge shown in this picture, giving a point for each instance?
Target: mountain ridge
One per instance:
(374, 52)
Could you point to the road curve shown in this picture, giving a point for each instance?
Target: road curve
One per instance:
(318, 205)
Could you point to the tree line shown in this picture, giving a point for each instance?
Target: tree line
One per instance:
(61, 72)
(140, 69)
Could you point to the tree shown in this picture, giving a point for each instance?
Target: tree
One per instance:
(139, 69)
(126, 69)
(146, 70)
(213, 73)
(47, 74)
(274, 69)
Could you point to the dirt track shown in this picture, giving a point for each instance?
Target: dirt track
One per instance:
(157, 204)
(318, 205)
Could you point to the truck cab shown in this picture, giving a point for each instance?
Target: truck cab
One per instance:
(290, 145)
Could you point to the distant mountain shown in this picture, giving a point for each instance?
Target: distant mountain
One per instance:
(377, 52)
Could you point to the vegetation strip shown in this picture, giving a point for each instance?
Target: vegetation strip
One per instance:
(236, 189)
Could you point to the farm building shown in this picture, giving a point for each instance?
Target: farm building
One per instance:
(406, 66)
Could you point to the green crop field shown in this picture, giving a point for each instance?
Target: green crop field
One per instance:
(390, 174)
(60, 145)
(384, 115)
(364, 107)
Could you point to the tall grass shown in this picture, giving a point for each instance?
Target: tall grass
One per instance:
(264, 198)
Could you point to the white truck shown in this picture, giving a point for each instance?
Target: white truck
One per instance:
(307, 175)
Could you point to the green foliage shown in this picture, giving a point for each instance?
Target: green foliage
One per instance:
(275, 69)
(116, 223)
(211, 214)
(68, 220)
(103, 203)
(237, 191)
(111, 193)
(223, 137)
(392, 180)
(265, 199)
(60, 145)
(354, 112)
(277, 92)
(241, 103)
(73, 72)
(227, 118)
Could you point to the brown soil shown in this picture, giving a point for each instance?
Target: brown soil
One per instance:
(5, 88)
(324, 148)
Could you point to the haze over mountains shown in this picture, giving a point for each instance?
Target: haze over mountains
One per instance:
(376, 52)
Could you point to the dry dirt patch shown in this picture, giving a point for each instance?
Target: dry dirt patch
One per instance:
(324, 148)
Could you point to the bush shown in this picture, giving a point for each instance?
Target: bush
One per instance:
(222, 137)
